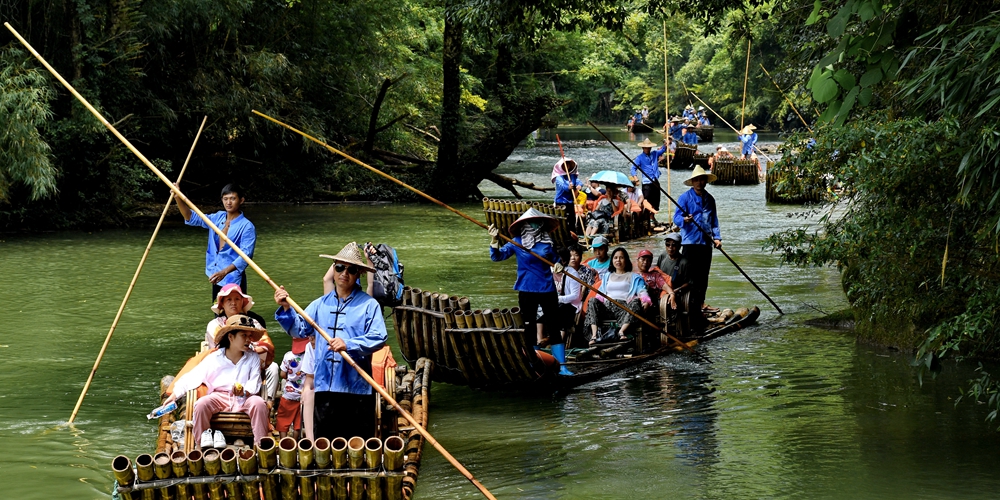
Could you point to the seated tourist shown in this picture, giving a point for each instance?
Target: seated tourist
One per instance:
(232, 375)
(601, 218)
(622, 285)
(230, 302)
(674, 268)
(656, 283)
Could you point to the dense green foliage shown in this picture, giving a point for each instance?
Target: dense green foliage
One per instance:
(917, 226)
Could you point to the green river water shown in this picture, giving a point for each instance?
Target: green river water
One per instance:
(784, 411)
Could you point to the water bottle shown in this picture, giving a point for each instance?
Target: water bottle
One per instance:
(161, 411)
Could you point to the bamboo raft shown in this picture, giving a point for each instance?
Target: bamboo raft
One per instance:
(734, 171)
(502, 213)
(706, 133)
(382, 467)
(489, 349)
(683, 157)
(784, 186)
(641, 128)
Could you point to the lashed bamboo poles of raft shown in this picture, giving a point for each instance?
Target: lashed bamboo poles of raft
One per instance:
(734, 171)
(250, 262)
(320, 469)
(502, 213)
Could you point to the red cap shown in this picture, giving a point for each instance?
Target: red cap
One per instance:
(299, 345)
(645, 253)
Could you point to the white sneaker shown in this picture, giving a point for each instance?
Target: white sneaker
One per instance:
(220, 440)
(206, 439)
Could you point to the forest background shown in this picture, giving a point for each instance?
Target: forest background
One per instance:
(901, 97)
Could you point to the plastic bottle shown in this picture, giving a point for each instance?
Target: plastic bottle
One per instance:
(161, 411)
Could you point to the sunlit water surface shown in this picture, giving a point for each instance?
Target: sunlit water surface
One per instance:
(785, 410)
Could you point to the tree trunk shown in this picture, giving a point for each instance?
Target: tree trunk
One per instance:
(451, 98)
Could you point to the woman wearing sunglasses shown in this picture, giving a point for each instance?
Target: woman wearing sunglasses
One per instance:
(343, 402)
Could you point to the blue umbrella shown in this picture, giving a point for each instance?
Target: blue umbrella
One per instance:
(611, 177)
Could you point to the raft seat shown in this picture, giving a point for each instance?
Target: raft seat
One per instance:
(233, 425)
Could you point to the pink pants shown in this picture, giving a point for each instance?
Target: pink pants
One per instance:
(217, 402)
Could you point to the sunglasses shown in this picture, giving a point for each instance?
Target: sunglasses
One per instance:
(671, 244)
(352, 269)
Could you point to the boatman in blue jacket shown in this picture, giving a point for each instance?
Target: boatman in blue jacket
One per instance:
(699, 222)
(749, 139)
(649, 162)
(688, 136)
(344, 403)
(222, 264)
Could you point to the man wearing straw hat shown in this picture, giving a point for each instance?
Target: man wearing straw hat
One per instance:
(749, 139)
(698, 219)
(649, 162)
(344, 403)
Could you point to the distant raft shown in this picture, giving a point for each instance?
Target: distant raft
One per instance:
(736, 172)
(501, 213)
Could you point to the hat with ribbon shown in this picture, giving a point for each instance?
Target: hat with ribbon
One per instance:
(351, 254)
(240, 322)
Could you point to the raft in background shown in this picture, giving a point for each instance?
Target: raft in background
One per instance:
(706, 133)
(489, 349)
(641, 128)
(734, 171)
(502, 213)
(683, 159)
(340, 469)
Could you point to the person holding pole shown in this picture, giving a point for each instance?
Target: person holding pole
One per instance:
(649, 162)
(343, 402)
(564, 176)
(749, 139)
(698, 217)
(222, 264)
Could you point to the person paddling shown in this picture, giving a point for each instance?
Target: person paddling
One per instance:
(649, 162)
(698, 219)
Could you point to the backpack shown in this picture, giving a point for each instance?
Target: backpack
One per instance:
(388, 283)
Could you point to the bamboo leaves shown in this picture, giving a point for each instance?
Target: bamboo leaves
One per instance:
(25, 156)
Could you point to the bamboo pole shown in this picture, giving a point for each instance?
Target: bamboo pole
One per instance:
(135, 277)
(393, 461)
(162, 470)
(373, 460)
(322, 457)
(196, 465)
(355, 461)
(229, 467)
(746, 78)
(223, 237)
(480, 224)
(704, 231)
(729, 125)
(213, 465)
(307, 487)
(121, 466)
(338, 451)
(789, 101)
(666, 104)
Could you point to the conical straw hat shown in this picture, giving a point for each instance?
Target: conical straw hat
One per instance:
(646, 143)
(698, 172)
(550, 223)
(748, 129)
(351, 254)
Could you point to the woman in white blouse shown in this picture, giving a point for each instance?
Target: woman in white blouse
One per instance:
(622, 285)
(232, 375)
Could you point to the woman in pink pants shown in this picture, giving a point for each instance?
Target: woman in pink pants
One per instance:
(232, 375)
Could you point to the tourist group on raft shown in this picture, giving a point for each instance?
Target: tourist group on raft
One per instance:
(321, 395)
(552, 305)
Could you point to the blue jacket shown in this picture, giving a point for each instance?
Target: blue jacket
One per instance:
(748, 140)
(690, 138)
(564, 194)
(533, 275)
(357, 320)
(241, 231)
(675, 131)
(650, 164)
(704, 120)
(705, 216)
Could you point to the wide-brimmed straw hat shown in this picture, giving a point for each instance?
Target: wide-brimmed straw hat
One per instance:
(238, 322)
(228, 289)
(698, 172)
(748, 129)
(351, 254)
(646, 143)
(532, 215)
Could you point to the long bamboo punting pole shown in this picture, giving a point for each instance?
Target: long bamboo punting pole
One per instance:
(480, 224)
(729, 125)
(666, 103)
(789, 101)
(705, 231)
(135, 277)
(746, 78)
(222, 236)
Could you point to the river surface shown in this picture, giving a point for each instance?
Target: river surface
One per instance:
(784, 411)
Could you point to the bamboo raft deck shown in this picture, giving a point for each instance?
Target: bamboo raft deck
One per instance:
(489, 349)
(502, 213)
(736, 172)
(641, 128)
(382, 467)
(683, 157)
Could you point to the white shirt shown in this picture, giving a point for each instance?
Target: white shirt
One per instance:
(569, 289)
(308, 361)
(220, 374)
(618, 289)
